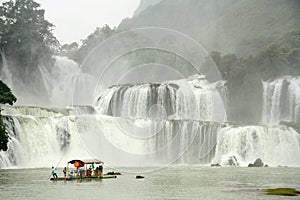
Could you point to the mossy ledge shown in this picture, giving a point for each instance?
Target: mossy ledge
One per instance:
(283, 191)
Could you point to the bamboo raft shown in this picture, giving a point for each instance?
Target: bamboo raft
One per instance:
(84, 178)
(81, 171)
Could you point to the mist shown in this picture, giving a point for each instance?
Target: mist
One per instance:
(153, 83)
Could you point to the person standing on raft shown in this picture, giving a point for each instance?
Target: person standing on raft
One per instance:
(65, 172)
(54, 172)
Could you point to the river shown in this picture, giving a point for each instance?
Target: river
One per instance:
(173, 182)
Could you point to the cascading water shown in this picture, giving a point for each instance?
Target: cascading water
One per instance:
(191, 99)
(48, 86)
(281, 100)
(5, 74)
(154, 124)
(275, 145)
(59, 81)
(39, 136)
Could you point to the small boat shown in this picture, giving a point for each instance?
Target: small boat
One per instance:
(91, 169)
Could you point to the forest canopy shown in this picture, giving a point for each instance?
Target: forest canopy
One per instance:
(26, 38)
(6, 97)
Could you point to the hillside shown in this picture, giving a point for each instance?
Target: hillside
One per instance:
(230, 26)
(145, 4)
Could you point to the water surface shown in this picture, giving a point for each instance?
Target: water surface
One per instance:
(180, 182)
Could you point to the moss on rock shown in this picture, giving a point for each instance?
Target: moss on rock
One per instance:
(283, 191)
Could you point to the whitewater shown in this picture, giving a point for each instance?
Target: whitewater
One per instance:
(179, 122)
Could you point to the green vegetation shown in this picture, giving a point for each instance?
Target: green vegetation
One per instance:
(6, 97)
(258, 38)
(26, 42)
(281, 57)
(3, 136)
(244, 75)
(74, 52)
(26, 38)
(241, 27)
(283, 191)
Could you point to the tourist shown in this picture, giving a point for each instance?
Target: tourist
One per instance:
(65, 172)
(80, 172)
(100, 170)
(54, 172)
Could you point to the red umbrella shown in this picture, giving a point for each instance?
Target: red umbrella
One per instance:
(78, 164)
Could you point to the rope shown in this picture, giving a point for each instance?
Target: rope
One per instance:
(58, 163)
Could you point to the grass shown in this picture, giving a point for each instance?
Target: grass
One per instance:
(283, 191)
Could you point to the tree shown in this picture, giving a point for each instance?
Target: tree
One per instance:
(244, 75)
(95, 38)
(26, 37)
(272, 62)
(6, 97)
(69, 50)
(3, 136)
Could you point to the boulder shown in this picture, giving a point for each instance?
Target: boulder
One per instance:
(215, 165)
(257, 163)
(139, 177)
(113, 173)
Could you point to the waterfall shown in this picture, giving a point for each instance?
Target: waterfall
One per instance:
(5, 74)
(39, 137)
(187, 99)
(275, 145)
(157, 143)
(48, 86)
(151, 124)
(59, 81)
(281, 100)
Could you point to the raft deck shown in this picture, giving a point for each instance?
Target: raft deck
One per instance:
(85, 178)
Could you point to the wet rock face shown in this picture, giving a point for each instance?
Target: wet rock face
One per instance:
(232, 161)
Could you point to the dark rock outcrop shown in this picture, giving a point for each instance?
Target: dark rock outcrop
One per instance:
(139, 177)
(113, 173)
(257, 163)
